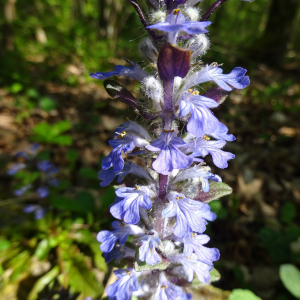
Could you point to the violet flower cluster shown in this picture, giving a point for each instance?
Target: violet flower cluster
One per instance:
(45, 179)
(164, 185)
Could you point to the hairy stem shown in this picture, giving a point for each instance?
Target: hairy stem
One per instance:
(212, 9)
(168, 114)
(163, 181)
(143, 20)
(159, 220)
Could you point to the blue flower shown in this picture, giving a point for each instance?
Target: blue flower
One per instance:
(200, 172)
(170, 157)
(128, 203)
(213, 72)
(134, 72)
(194, 244)
(107, 176)
(202, 147)
(167, 291)
(191, 215)
(115, 158)
(126, 284)
(43, 192)
(121, 233)
(22, 190)
(38, 211)
(191, 265)
(202, 120)
(175, 22)
(118, 253)
(44, 166)
(221, 133)
(134, 129)
(147, 251)
(16, 168)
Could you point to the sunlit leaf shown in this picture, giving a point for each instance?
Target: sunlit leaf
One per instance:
(89, 173)
(47, 104)
(240, 294)
(82, 279)
(290, 276)
(43, 282)
(4, 244)
(42, 249)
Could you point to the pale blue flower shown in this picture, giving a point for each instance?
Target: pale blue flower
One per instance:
(126, 284)
(175, 22)
(202, 121)
(16, 168)
(115, 159)
(121, 233)
(191, 266)
(191, 215)
(134, 72)
(107, 176)
(129, 201)
(198, 171)
(147, 251)
(170, 156)
(203, 147)
(221, 133)
(167, 291)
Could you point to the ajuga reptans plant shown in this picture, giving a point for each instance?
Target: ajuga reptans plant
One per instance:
(161, 203)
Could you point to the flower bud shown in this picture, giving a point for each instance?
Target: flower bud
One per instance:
(192, 14)
(198, 45)
(173, 61)
(154, 90)
(158, 16)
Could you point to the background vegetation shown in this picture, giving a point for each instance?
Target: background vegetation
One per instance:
(48, 48)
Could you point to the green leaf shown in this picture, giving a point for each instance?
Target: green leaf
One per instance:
(72, 155)
(42, 129)
(290, 277)
(214, 276)
(47, 104)
(140, 266)
(8, 254)
(98, 258)
(16, 88)
(86, 201)
(43, 282)
(42, 250)
(32, 93)
(4, 244)
(216, 207)
(43, 155)
(60, 127)
(108, 197)
(64, 140)
(44, 132)
(19, 264)
(27, 177)
(288, 212)
(216, 191)
(88, 173)
(82, 279)
(83, 203)
(240, 294)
